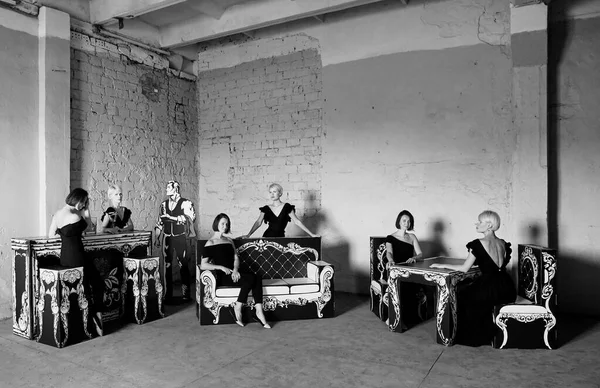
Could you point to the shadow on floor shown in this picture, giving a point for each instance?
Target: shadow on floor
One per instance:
(571, 327)
(345, 302)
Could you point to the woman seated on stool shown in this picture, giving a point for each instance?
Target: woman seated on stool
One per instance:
(116, 218)
(277, 215)
(69, 222)
(403, 247)
(476, 302)
(220, 255)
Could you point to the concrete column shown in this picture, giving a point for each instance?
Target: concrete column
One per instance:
(55, 111)
(529, 42)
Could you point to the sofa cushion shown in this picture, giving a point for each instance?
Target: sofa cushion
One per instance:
(224, 291)
(523, 309)
(275, 287)
(302, 285)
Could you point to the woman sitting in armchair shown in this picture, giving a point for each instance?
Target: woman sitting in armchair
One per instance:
(403, 247)
(476, 302)
(220, 255)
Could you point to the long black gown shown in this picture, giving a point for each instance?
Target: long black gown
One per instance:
(413, 298)
(223, 254)
(72, 254)
(278, 223)
(476, 301)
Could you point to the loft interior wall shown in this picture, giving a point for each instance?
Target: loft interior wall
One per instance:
(18, 139)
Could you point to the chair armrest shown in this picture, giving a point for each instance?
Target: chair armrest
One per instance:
(209, 281)
(314, 269)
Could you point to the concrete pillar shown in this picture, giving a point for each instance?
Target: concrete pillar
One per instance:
(55, 111)
(529, 43)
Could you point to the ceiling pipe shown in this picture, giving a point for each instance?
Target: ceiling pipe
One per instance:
(101, 31)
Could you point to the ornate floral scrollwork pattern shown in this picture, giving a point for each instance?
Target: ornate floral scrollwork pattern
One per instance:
(394, 273)
(67, 278)
(47, 287)
(381, 256)
(150, 271)
(548, 317)
(529, 259)
(325, 296)
(445, 295)
(208, 279)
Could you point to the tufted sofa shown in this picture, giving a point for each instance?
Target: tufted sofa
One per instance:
(296, 283)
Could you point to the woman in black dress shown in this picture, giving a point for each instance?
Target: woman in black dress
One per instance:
(403, 247)
(116, 218)
(277, 215)
(220, 255)
(476, 301)
(69, 223)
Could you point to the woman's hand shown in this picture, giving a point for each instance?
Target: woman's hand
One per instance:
(226, 270)
(411, 260)
(441, 266)
(235, 276)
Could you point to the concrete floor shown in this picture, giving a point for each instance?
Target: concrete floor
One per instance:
(354, 349)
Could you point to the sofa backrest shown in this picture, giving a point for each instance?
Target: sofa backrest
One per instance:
(274, 258)
(537, 274)
(378, 259)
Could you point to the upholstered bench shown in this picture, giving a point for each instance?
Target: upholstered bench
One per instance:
(296, 284)
(142, 289)
(62, 307)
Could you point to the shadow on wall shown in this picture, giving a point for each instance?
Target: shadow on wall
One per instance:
(336, 251)
(576, 287)
(435, 246)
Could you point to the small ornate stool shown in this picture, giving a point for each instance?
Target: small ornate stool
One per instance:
(142, 289)
(62, 307)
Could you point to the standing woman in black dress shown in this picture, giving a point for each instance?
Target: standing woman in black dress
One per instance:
(69, 222)
(403, 247)
(220, 255)
(277, 215)
(495, 286)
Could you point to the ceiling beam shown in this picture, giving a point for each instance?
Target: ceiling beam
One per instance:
(105, 11)
(250, 16)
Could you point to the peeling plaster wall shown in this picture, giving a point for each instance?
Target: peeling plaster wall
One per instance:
(260, 122)
(574, 88)
(417, 114)
(427, 131)
(18, 140)
(131, 125)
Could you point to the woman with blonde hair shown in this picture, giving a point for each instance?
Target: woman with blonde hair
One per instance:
(116, 218)
(277, 215)
(495, 286)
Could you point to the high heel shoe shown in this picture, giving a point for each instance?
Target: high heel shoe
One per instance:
(97, 321)
(239, 322)
(264, 324)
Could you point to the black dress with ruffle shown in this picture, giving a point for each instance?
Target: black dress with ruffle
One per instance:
(476, 301)
(277, 223)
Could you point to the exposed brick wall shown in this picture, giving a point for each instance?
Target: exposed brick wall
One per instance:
(135, 126)
(260, 122)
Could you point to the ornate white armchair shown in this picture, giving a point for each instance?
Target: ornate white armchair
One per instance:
(529, 322)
